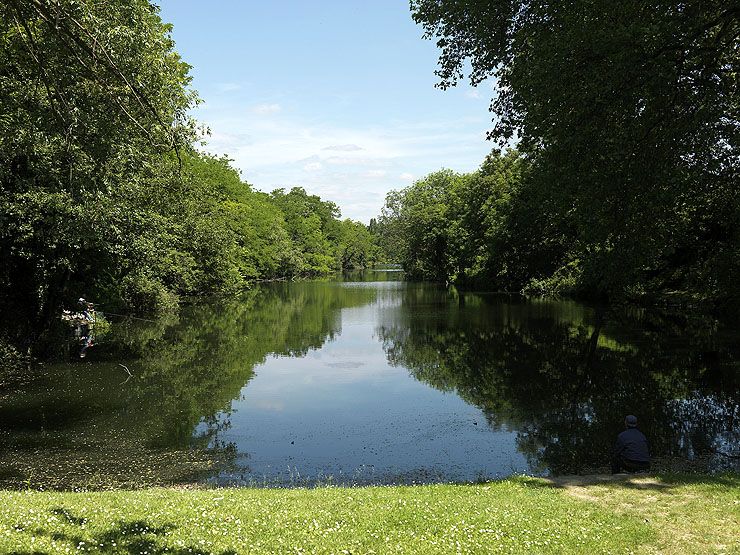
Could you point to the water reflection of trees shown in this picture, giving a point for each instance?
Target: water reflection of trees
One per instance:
(79, 420)
(563, 376)
(198, 366)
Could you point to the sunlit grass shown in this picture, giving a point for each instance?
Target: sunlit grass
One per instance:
(690, 513)
(520, 515)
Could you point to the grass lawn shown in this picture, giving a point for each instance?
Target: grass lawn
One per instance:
(667, 514)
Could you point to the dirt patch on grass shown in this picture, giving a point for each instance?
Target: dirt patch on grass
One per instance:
(578, 486)
(636, 481)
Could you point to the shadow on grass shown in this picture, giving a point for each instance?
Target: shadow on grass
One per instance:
(647, 481)
(128, 537)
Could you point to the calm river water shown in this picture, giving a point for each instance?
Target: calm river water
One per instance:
(372, 380)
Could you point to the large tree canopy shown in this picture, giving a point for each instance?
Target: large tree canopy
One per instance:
(102, 193)
(628, 112)
(92, 97)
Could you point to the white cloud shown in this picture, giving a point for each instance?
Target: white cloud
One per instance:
(473, 93)
(266, 109)
(344, 148)
(289, 150)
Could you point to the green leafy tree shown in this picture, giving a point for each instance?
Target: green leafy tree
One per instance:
(387, 229)
(313, 227)
(102, 193)
(357, 247)
(479, 223)
(92, 97)
(418, 215)
(256, 242)
(629, 115)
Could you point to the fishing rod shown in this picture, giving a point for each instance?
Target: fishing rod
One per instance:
(106, 313)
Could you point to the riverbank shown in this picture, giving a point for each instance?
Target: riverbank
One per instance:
(647, 514)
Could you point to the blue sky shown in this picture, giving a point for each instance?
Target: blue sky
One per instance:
(337, 97)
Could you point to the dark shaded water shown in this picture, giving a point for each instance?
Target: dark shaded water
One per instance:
(372, 381)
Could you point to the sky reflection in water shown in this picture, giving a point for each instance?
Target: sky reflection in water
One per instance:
(342, 413)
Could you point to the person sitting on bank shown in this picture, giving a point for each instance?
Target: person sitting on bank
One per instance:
(631, 452)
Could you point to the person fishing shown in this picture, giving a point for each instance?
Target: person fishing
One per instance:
(83, 322)
(631, 451)
(87, 309)
(86, 326)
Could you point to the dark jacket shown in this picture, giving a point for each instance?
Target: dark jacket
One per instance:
(632, 445)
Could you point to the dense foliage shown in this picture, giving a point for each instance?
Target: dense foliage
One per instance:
(626, 116)
(472, 229)
(101, 192)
